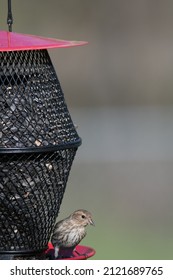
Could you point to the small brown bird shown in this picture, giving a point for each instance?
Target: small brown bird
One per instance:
(69, 232)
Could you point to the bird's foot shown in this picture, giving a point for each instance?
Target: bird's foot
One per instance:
(56, 252)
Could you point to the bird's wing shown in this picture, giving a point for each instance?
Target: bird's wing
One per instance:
(58, 232)
(57, 225)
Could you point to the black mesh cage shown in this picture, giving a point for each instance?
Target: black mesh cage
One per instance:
(38, 142)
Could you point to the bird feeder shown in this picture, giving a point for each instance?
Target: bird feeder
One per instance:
(38, 142)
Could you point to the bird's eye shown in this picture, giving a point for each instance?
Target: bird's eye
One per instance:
(83, 217)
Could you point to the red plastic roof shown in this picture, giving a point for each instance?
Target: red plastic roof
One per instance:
(11, 41)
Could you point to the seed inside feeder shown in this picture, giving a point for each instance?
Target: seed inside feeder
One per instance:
(49, 166)
(37, 143)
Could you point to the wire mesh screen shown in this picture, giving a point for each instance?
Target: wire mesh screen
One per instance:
(31, 191)
(38, 142)
(33, 111)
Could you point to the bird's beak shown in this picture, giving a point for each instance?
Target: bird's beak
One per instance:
(91, 222)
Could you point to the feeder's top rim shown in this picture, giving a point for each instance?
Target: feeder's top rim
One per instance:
(11, 41)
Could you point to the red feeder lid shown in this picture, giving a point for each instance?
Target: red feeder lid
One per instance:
(11, 41)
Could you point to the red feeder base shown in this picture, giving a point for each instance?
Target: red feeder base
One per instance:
(80, 252)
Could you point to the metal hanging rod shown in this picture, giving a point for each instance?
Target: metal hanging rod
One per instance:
(9, 17)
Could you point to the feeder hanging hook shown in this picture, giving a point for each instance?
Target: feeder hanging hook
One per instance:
(9, 17)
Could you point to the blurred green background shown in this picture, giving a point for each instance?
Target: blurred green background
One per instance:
(119, 90)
